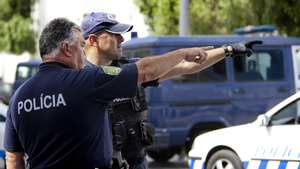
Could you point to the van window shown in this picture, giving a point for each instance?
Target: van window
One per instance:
(127, 54)
(260, 67)
(25, 72)
(215, 73)
(137, 53)
(142, 53)
(2, 118)
(298, 61)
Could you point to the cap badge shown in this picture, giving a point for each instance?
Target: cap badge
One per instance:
(110, 17)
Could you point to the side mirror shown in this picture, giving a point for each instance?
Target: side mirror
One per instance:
(262, 120)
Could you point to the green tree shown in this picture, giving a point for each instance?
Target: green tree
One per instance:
(282, 13)
(160, 15)
(16, 33)
(222, 16)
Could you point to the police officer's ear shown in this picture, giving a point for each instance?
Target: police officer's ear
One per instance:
(93, 40)
(65, 49)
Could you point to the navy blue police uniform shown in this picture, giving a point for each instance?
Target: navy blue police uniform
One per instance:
(58, 118)
(131, 132)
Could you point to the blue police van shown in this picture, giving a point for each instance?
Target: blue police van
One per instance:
(24, 71)
(232, 92)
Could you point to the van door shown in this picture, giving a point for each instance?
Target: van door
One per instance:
(190, 97)
(259, 83)
(205, 87)
(181, 103)
(296, 62)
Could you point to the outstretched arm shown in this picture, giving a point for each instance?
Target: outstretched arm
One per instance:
(213, 56)
(151, 68)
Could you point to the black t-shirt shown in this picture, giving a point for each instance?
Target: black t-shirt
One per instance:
(58, 116)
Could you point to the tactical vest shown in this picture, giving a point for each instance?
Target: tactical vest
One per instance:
(131, 133)
(133, 105)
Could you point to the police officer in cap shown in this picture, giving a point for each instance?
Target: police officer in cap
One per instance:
(128, 115)
(131, 132)
(57, 118)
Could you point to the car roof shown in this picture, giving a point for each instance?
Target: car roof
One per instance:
(206, 40)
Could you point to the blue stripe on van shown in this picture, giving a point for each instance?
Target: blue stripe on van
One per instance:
(299, 166)
(263, 164)
(282, 164)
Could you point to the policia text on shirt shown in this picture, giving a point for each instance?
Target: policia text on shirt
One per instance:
(42, 102)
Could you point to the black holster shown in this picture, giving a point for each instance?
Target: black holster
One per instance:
(148, 132)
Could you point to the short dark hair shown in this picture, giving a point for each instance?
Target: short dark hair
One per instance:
(55, 32)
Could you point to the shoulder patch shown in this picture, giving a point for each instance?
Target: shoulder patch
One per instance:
(111, 70)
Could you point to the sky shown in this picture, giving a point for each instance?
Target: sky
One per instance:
(124, 10)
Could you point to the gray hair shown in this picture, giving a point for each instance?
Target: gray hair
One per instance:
(54, 33)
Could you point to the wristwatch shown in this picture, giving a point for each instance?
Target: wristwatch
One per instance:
(227, 50)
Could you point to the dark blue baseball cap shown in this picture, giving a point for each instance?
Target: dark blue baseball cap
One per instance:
(100, 21)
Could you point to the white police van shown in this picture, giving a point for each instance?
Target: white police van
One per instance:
(270, 142)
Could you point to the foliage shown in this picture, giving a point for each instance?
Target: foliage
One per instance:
(161, 15)
(282, 13)
(16, 31)
(222, 16)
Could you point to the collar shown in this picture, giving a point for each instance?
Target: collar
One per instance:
(53, 64)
